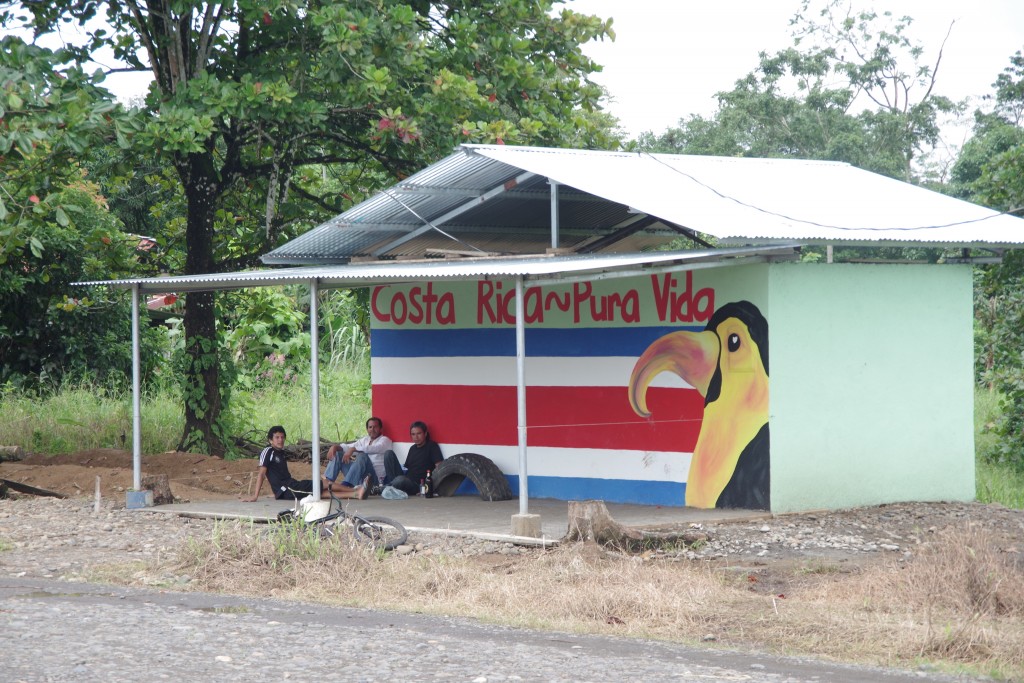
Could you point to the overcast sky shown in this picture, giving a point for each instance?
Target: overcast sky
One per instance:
(670, 57)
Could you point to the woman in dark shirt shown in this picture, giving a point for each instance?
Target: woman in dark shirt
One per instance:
(424, 454)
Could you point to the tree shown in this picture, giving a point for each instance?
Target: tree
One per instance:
(990, 171)
(54, 225)
(247, 94)
(803, 102)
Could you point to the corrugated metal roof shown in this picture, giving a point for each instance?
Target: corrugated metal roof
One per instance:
(757, 200)
(532, 268)
(484, 189)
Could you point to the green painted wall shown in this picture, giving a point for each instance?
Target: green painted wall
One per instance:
(871, 384)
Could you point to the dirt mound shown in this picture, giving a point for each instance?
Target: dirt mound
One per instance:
(192, 476)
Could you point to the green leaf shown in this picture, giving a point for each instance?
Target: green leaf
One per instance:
(36, 246)
(62, 218)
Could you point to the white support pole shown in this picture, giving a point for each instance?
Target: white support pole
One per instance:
(554, 213)
(314, 378)
(524, 501)
(136, 394)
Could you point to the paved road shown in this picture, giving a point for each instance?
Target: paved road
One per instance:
(60, 631)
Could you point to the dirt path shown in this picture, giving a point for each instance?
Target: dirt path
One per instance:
(192, 476)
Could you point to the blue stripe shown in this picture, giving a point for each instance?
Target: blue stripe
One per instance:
(574, 342)
(664, 493)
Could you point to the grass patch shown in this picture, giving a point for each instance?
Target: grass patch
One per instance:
(1000, 484)
(80, 417)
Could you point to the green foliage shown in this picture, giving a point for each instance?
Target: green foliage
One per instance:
(991, 171)
(50, 116)
(55, 227)
(250, 95)
(49, 328)
(345, 319)
(265, 328)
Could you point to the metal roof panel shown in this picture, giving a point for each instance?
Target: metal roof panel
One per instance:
(384, 272)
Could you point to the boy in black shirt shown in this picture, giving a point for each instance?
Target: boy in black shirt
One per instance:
(274, 468)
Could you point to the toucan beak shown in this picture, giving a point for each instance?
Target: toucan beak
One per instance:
(690, 355)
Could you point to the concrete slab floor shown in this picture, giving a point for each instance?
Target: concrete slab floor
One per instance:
(468, 515)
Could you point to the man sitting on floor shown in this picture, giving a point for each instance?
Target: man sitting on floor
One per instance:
(368, 465)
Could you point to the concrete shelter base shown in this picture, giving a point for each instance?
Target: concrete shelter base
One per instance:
(526, 525)
(467, 515)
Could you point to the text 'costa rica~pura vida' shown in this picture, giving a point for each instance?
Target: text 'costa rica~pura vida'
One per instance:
(495, 303)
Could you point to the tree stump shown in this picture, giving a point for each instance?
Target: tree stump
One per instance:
(590, 522)
(11, 453)
(161, 488)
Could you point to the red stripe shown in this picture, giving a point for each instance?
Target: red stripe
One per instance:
(568, 417)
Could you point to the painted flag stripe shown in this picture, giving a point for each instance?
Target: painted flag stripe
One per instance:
(578, 341)
(625, 465)
(568, 417)
(501, 370)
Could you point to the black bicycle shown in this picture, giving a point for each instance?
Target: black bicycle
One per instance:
(381, 532)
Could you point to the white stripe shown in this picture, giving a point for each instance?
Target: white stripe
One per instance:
(599, 371)
(591, 463)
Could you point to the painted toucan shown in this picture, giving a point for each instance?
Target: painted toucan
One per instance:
(728, 364)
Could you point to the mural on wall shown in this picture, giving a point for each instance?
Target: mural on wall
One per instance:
(728, 364)
(445, 352)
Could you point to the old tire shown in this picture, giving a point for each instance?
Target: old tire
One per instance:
(480, 470)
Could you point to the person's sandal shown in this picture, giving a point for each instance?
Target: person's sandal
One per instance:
(365, 488)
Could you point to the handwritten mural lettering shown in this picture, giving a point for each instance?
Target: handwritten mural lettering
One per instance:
(492, 305)
(674, 298)
(605, 307)
(681, 307)
(498, 307)
(418, 306)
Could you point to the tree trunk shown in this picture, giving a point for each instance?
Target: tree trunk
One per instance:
(202, 375)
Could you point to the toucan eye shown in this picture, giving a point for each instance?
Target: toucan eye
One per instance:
(734, 342)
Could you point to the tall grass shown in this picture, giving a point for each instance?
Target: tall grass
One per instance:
(995, 483)
(80, 416)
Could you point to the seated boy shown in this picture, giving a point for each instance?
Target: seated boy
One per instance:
(273, 466)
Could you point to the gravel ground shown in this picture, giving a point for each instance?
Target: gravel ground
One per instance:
(103, 633)
(54, 538)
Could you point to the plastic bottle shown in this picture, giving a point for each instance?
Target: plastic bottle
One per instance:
(429, 485)
(423, 488)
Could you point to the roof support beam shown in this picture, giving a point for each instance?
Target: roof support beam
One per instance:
(554, 212)
(618, 235)
(687, 232)
(457, 211)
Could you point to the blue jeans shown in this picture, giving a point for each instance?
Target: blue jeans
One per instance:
(355, 471)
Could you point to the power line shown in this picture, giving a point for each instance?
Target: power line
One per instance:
(1011, 212)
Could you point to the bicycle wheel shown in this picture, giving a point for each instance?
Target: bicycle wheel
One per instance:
(381, 532)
